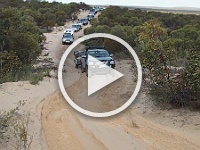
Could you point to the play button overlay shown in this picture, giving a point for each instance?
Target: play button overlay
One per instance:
(103, 84)
(100, 75)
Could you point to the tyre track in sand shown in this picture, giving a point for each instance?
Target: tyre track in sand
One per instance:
(64, 128)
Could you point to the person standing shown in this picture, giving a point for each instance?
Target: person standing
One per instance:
(73, 19)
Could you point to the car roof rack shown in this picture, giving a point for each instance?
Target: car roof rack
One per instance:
(95, 47)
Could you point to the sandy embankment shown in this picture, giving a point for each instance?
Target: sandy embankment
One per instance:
(13, 92)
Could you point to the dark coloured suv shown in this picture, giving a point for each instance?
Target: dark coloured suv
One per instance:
(93, 11)
(90, 16)
(99, 53)
(84, 21)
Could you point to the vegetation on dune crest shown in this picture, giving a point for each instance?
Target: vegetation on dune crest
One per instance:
(167, 44)
(21, 24)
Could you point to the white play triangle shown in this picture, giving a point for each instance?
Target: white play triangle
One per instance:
(100, 75)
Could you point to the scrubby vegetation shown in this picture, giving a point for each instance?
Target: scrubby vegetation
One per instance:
(168, 46)
(21, 26)
(14, 129)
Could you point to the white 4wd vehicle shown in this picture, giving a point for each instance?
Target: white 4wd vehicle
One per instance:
(69, 31)
(76, 27)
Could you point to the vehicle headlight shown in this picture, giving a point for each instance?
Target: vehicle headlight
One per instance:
(112, 62)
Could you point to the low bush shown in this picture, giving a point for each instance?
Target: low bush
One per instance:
(14, 132)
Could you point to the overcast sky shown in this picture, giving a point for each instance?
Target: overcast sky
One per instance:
(157, 3)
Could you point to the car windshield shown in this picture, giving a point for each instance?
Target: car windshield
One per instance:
(92, 10)
(98, 53)
(83, 20)
(67, 35)
(90, 15)
(74, 26)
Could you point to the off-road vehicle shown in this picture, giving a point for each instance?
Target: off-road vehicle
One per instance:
(76, 27)
(67, 38)
(77, 55)
(99, 53)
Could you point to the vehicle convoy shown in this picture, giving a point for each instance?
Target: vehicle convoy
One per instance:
(97, 52)
(67, 38)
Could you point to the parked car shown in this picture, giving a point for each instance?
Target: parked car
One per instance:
(69, 31)
(84, 21)
(67, 38)
(101, 54)
(90, 16)
(76, 27)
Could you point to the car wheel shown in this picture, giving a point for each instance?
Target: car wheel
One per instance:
(82, 69)
(76, 66)
(113, 66)
(87, 73)
(63, 43)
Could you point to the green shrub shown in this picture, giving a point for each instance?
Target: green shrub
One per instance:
(36, 78)
(14, 128)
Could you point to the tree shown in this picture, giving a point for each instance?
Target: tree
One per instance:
(192, 73)
(156, 57)
(134, 21)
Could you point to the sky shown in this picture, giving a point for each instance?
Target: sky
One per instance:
(155, 3)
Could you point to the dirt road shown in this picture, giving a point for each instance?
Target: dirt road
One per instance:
(64, 128)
